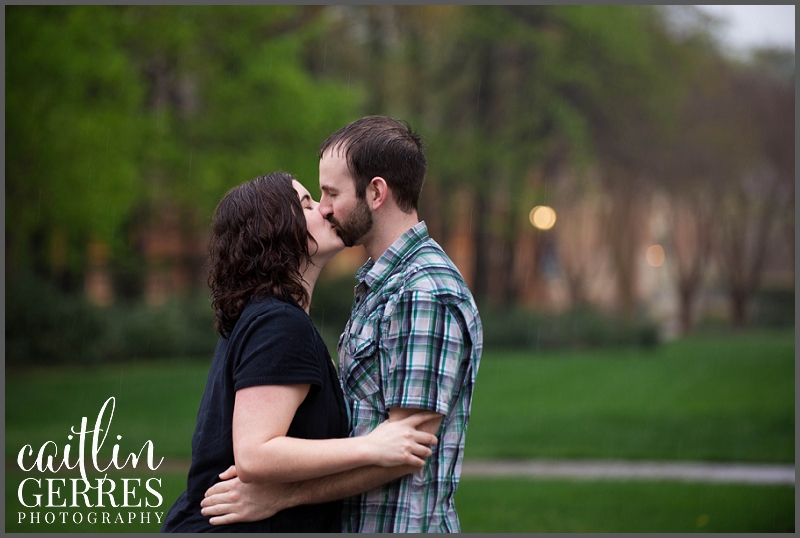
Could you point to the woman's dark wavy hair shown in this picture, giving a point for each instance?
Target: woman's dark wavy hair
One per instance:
(259, 242)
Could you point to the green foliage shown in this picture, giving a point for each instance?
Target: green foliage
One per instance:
(769, 309)
(585, 327)
(574, 76)
(180, 327)
(46, 326)
(111, 109)
(330, 308)
(116, 115)
(74, 127)
(774, 308)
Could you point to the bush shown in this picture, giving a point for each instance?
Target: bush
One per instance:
(586, 327)
(772, 308)
(516, 328)
(330, 308)
(180, 327)
(768, 308)
(46, 326)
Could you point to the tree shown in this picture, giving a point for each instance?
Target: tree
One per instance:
(695, 162)
(761, 192)
(74, 136)
(119, 114)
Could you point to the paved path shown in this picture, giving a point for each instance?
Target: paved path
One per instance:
(743, 473)
(634, 470)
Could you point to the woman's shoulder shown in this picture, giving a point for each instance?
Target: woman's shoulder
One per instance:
(276, 314)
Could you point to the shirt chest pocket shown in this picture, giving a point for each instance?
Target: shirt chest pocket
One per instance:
(362, 380)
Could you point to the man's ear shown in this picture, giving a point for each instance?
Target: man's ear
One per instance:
(377, 192)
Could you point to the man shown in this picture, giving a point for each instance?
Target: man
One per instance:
(413, 341)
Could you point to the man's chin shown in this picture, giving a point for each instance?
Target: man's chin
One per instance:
(343, 237)
(346, 239)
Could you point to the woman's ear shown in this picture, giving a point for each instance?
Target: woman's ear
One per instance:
(377, 192)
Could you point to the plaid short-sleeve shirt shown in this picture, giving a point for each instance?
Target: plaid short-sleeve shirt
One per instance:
(414, 340)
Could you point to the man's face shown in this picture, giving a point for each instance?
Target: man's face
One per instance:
(350, 215)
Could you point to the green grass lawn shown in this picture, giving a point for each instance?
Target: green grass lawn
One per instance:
(726, 399)
(723, 399)
(154, 400)
(517, 505)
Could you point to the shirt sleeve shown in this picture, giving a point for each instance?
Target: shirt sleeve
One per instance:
(278, 348)
(425, 343)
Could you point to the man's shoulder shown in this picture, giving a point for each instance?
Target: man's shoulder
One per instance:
(428, 269)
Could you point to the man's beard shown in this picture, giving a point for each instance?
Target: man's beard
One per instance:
(357, 224)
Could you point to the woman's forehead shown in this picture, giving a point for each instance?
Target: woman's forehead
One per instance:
(301, 191)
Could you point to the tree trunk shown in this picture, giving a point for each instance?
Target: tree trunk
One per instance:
(686, 302)
(377, 92)
(480, 216)
(509, 296)
(623, 236)
(481, 259)
(577, 290)
(738, 308)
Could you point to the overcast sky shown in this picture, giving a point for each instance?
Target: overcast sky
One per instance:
(753, 26)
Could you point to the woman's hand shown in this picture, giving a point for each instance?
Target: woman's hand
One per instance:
(399, 442)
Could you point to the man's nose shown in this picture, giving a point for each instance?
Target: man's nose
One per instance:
(324, 207)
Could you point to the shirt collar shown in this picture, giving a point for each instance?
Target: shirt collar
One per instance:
(375, 273)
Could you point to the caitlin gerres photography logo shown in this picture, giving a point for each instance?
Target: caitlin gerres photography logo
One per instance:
(104, 499)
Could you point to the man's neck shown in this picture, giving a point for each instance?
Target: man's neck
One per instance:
(386, 230)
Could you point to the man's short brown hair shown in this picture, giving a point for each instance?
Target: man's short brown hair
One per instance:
(380, 146)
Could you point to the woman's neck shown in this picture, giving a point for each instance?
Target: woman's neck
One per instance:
(310, 274)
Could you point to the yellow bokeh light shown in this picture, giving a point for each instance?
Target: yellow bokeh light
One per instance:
(655, 255)
(543, 217)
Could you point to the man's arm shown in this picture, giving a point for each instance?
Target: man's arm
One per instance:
(232, 501)
(357, 481)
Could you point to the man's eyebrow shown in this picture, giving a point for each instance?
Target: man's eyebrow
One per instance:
(327, 188)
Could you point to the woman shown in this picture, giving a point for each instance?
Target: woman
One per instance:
(272, 403)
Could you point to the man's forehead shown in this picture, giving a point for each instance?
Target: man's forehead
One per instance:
(333, 170)
(335, 153)
(339, 149)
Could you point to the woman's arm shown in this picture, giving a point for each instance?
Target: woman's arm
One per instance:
(232, 501)
(262, 452)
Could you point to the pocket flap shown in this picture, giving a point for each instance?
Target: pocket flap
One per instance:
(363, 344)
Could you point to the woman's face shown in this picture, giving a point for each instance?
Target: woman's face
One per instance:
(328, 242)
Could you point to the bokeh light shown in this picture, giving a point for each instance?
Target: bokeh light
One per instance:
(543, 217)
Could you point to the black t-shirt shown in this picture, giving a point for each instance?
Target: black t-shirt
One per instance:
(273, 343)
